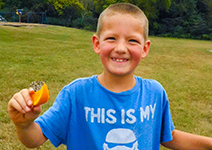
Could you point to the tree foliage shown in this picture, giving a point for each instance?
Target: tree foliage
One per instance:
(150, 7)
(184, 19)
(61, 5)
(176, 18)
(1, 4)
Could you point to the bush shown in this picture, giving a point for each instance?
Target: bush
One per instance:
(207, 37)
(87, 23)
(59, 21)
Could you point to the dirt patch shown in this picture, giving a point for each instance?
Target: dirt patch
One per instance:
(17, 24)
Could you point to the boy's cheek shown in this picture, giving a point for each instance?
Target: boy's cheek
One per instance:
(136, 55)
(105, 50)
(104, 59)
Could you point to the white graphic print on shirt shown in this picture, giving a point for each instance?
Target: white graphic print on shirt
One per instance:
(101, 115)
(120, 139)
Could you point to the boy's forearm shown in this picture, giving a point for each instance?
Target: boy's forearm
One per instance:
(31, 136)
(186, 141)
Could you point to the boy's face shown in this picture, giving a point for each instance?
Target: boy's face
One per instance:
(121, 44)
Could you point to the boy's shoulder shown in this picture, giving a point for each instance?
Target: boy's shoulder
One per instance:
(85, 81)
(149, 83)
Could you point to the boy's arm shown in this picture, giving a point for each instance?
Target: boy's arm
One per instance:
(23, 113)
(31, 136)
(186, 141)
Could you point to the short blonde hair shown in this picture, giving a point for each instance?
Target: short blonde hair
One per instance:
(123, 8)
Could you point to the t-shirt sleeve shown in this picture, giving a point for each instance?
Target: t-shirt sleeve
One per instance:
(167, 123)
(54, 122)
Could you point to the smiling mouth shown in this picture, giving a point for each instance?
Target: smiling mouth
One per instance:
(119, 59)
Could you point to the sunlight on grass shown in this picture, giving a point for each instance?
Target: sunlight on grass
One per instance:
(58, 55)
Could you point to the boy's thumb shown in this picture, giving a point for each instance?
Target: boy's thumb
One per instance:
(31, 91)
(37, 109)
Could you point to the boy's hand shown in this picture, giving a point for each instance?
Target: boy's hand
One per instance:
(21, 109)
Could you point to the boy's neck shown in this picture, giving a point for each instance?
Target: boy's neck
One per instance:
(116, 83)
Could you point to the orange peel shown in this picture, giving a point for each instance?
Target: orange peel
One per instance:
(40, 96)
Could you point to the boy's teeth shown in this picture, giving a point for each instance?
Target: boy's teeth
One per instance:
(118, 60)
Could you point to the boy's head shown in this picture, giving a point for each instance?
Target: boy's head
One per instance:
(121, 39)
(123, 8)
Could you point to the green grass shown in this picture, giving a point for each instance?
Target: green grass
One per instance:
(59, 55)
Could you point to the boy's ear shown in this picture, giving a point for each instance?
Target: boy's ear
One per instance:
(96, 46)
(145, 49)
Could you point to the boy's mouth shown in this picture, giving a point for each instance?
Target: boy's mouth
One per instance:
(119, 59)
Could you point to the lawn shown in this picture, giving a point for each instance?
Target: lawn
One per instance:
(58, 55)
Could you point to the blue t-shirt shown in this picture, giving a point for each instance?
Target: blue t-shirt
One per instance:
(85, 115)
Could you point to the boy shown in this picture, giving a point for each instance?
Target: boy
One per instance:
(114, 110)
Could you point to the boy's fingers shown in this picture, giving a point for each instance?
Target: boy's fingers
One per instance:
(27, 96)
(14, 105)
(21, 98)
(31, 92)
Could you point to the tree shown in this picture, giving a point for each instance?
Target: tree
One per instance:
(205, 8)
(178, 18)
(87, 4)
(61, 5)
(181, 19)
(1, 4)
(12, 5)
(150, 7)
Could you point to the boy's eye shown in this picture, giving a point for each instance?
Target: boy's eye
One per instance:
(110, 38)
(133, 41)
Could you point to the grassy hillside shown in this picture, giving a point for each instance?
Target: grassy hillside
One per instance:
(58, 55)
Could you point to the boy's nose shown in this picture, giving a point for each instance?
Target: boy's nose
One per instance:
(121, 48)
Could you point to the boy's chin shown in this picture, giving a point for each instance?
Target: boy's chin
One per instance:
(122, 74)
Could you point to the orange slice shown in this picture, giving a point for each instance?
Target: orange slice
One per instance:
(41, 95)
